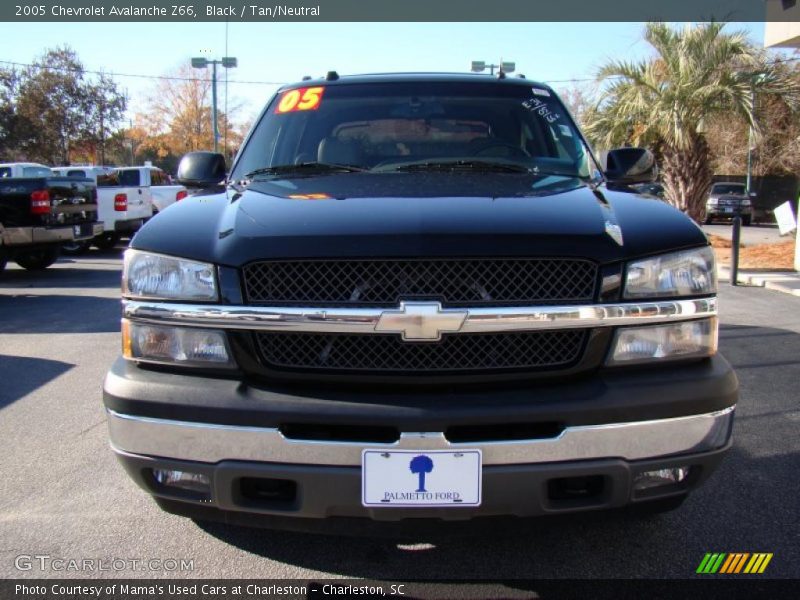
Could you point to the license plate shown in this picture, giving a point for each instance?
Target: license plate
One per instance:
(728, 210)
(82, 231)
(420, 478)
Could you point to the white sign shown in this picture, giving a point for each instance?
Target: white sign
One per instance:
(420, 478)
(784, 215)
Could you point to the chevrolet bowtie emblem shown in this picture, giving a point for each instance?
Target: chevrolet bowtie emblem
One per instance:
(421, 321)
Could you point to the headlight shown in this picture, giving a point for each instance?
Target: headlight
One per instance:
(175, 345)
(746, 202)
(685, 273)
(686, 339)
(712, 202)
(155, 276)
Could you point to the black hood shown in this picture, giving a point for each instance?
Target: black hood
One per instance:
(417, 215)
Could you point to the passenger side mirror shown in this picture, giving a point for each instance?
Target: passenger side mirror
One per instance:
(201, 170)
(627, 166)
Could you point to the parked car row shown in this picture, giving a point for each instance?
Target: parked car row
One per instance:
(46, 210)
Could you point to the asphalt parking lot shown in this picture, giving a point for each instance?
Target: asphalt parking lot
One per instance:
(66, 496)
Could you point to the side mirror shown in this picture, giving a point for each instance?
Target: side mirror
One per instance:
(627, 166)
(201, 170)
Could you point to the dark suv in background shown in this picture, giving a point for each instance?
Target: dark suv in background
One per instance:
(726, 200)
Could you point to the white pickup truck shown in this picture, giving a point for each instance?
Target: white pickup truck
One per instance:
(127, 197)
(162, 190)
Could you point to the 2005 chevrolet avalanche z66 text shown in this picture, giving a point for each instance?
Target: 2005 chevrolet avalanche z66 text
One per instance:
(418, 296)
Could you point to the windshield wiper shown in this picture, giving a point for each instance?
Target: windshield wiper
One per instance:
(460, 165)
(306, 168)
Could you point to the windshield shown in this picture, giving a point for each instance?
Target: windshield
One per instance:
(728, 188)
(385, 127)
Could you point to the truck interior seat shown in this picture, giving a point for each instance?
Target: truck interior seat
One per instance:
(339, 152)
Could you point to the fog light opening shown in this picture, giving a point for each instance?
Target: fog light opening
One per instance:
(648, 480)
(573, 492)
(197, 484)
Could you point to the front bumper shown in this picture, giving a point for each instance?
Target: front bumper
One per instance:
(610, 426)
(721, 213)
(330, 492)
(26, 236)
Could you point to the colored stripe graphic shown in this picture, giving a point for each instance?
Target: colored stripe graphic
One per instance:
(711, 563)
(734, 562)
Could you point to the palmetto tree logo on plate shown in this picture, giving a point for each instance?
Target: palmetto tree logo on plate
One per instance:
(421, 465)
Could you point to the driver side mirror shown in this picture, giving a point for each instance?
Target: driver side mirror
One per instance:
(627, 166)
(201, 170)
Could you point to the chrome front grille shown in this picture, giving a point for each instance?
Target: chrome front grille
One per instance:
(453, 282)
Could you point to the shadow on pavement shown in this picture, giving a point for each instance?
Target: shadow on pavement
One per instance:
(37, 372)
(29, 313)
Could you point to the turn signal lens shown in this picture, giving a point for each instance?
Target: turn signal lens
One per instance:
(175, 345)
(687, 339)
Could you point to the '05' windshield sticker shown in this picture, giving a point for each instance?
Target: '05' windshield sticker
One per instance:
(300, 99)
(540, 107)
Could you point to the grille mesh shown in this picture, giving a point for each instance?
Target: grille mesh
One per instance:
(453, 282)
(388, 353)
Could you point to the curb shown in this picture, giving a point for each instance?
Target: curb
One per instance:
(787, 282)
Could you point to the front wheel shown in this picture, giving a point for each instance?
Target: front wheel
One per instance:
(747, 220)
(36, 260)
(107, 241)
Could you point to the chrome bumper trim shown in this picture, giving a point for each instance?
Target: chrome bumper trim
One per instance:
(365, 320)
(18, 236)
(210, 443)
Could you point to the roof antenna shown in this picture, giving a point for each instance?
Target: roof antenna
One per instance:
(306, 77)
(332, 76)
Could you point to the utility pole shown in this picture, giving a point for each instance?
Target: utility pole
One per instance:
(228, 62)
(130, 135)
(750, 139)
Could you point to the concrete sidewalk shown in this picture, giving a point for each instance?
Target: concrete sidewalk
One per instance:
(787, 281)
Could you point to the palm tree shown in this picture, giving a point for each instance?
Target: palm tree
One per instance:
(420, 465)
(697, 72)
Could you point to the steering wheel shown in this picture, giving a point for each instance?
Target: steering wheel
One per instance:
(486, 149)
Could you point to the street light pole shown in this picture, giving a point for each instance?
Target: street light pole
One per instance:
(748, 186)
(479, 66)
(227, 62)
(214, 104)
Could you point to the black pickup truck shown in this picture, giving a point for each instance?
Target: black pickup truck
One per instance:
(39, 214)
(418, 297)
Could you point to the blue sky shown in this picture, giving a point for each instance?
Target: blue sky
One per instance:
(284, 52)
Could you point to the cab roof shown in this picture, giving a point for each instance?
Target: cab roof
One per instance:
(415, 77)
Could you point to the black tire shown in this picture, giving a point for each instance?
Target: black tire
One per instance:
(76, 248)
(657, 507)
(746, 221)
(107, 241)
(708, 221)
(3, 261)
(38, 259)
